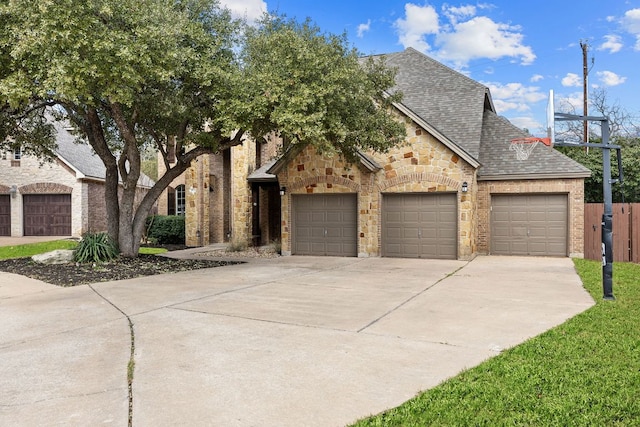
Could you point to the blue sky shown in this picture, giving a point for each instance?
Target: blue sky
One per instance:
(520, 50)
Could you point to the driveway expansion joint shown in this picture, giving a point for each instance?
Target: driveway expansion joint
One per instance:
(131, 363)
(411, 298)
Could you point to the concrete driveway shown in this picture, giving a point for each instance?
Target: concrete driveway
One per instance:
(286, 342)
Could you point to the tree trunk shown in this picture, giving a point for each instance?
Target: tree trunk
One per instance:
(92, 127)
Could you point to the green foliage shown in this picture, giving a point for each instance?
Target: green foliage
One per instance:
(166, 229)
(30, 249)
(129, 74)
(96, 247)
(592, 159)
(581, 373)
(312, 88)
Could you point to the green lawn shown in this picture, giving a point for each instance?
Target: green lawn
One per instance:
(30, 249)
(585, 372)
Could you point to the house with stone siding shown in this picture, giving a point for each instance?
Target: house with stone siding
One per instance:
(62, 197)
(453, 189)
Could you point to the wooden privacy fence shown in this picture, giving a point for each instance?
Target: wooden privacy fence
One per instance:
(626, 231)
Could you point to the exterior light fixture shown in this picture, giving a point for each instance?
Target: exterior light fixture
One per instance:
(13, 190)
(465, 187)
(283, 191)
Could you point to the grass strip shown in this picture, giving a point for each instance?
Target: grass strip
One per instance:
(585, 372)
(30, 249)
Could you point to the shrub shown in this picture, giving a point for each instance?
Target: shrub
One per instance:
(237, 245)
(95, 247)
(166, 229)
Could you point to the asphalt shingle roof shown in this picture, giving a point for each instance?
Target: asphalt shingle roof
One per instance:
(446, 99)
(80, 156)
(461, 109)
(499, 162)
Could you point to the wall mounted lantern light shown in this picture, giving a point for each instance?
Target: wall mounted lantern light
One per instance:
(13, 190)
(283, 191)
(465, 187)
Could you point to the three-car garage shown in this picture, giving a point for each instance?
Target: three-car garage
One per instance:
(425, 225)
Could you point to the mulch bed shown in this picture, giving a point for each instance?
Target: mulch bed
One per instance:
(120, 269)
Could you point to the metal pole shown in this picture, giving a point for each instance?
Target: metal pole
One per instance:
(607, 217)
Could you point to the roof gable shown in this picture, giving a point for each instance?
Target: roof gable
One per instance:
(449, 101)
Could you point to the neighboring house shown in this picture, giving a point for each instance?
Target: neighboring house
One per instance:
(452, 190)
(64, 197)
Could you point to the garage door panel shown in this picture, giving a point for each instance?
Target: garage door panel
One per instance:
(5, 215)
(47, 214)
(429, 226)
(533, 224)
(325, 224)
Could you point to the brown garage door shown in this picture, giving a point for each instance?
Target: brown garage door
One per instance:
(5, 215)
(47, 214)
(325, 224)
(529, 224)
(419, 226)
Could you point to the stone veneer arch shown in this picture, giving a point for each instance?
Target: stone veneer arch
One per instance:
(45, 188)
(4, 189)
(420, 177)
(324, 179)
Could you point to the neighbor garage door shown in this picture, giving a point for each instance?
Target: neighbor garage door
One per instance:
(47, 214)
(529, 224)
(5, 215)
(419, 226)
(325, 224)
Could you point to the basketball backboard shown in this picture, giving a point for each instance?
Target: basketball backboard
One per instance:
(551, 119)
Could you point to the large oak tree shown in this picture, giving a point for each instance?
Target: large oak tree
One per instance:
(185, 77)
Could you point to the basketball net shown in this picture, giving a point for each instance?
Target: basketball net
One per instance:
(525, 146)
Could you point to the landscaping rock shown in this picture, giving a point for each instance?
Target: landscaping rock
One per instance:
(59, 256)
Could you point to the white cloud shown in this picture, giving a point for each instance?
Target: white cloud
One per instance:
(514, 96)
(612, 43)
(609, 78)
(463, 38)
(480, 37)
(528, 123)
(363, 28)
(251, 10)
(536, 78)
(571, 80)
(419, 21)
(456, 13)
(631, 23)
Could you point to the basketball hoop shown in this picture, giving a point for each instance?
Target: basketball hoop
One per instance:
(524, 146)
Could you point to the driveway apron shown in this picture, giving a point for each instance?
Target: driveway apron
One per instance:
(314, 341)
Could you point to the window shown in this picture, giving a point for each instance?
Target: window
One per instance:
(180, 202)
(17, 153)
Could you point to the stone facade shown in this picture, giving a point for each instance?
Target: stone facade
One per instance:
(420, 165)
(219, 199)
(573, 188)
